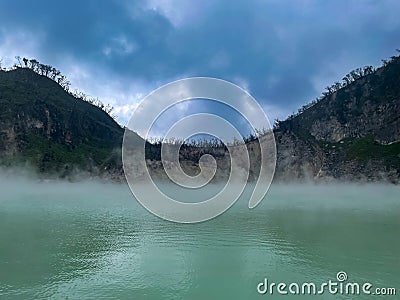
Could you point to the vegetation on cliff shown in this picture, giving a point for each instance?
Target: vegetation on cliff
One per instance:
(44, 126)
(355, 129)
(351, 132)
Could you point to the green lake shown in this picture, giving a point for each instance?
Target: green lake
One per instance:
(95, 241)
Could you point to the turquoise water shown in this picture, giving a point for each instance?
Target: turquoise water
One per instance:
(94, 241)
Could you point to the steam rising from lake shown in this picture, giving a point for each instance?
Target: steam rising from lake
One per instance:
(93, 240)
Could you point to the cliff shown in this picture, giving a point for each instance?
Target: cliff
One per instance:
(44, 127)
(352, 133)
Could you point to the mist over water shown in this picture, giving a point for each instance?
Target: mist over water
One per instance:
(94, 240)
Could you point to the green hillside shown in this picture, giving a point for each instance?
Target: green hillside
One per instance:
(44, 126)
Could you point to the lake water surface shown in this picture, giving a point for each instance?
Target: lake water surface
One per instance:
(94, 241)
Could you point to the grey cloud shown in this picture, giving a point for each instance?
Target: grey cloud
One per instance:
(280, 48)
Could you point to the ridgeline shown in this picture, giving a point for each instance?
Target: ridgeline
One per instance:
(45, 128)
(352, 132)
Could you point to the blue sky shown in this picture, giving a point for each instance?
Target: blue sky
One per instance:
(283, 52)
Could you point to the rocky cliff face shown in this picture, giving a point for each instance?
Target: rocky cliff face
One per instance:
(45, 127)
(352, 134)
(297, 158)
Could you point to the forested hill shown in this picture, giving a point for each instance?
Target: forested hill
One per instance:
(45, 127)
(352, 132)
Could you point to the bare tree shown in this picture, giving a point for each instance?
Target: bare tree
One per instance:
(18, 58)
(47, 70)
(33, 64)
(329, 89)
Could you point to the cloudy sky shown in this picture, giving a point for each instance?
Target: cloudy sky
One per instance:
(283, 52)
